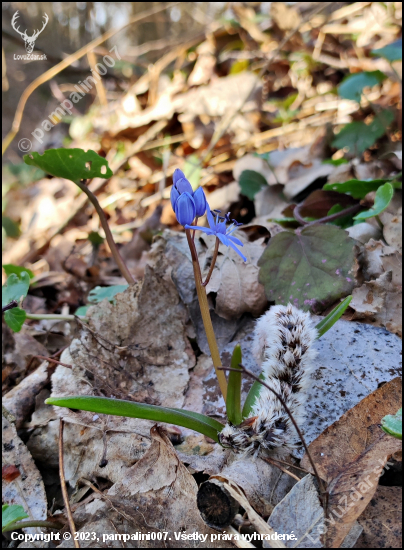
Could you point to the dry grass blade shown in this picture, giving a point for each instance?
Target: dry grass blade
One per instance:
(63, 486)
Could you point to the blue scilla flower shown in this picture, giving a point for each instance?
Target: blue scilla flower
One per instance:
(182, 186)
(218, 228)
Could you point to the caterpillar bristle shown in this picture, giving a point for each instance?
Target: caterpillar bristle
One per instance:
(283, 341)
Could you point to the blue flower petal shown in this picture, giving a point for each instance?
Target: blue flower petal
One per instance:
(200, 202)
(174, 196)
(178, 175)
(183, 186)
(235, 240)
(203, 229)
(185, 209)
(211, 221)
(221, 227)
(234, 247)
(223, 238)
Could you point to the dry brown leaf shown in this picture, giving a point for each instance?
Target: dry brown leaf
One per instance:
(156, 495)
(26, 488)
(393, 230)
(382, 520)
(235, 282)
(204, 66)
(351, 454)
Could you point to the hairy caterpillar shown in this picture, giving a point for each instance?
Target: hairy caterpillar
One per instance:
(283, 341)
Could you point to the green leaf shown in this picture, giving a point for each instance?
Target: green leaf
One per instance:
(252, 397)
(393, 425)
(117, 407)
(233, 400)
(358, 189)
(17, 270)
(10, 227)
(72, 164)
(325, 324)
(391, 52)
(309, 268)
(357, 136)
(99, 293)
(192, 170)
(353, 85)
(336, 162)
(239, 66)
(382, 199)
(345, 221)
(16, 287)
(11, 514)
(81, 311)
(251, 182)
(15, 318)
(95, 238)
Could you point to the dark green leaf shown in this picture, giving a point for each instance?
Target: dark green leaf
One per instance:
(318, 204)
(17, 269)
(117, 407)
(233, 400)
(325, 324)
(336, 162)
(99, 293)
(357, 136)
(345, 221)
(358, 189)
(10, 227)
(382, 199)
(391, 52)
(251, 397)
(15, 318)
(353, 85)
(95, 238)
(393, 425)
(251, 182)
(310, 269)
(16, 287)
(11, 514)
(72, 164)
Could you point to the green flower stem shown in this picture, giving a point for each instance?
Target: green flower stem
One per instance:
(207, 321)
(52, 317)
(108, 235)
(32, 523)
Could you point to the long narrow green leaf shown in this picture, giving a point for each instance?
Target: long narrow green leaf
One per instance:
(118, 407)
(251, 397)
(233, 400)
(325, 324)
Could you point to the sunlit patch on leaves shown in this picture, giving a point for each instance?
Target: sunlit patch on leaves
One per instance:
(353, 85)
(72, 164)
(383, 198)
(310, 269)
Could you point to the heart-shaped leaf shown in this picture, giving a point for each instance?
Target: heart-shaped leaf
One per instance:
(72, 164)
(382, 199)
(16, 287)
(310, 268)
(358, 189)
(352, 86)
(15, 318)
(251, 182)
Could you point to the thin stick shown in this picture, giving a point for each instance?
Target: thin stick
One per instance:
(55, 361)
(63, 485)
(110, 239)
(11, 305)
(252, 375)
(207, 321)
(212, 265)
(351, 210)
(275, 463)
(68, 61)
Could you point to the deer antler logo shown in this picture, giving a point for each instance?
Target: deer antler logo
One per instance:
(29, 40)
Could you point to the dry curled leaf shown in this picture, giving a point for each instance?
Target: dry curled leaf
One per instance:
(350, 456)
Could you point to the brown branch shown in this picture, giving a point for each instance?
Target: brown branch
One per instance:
(257, 379)
(110, 240)
(11, 305)
(212, 265)
(351, 210)
(63, 485)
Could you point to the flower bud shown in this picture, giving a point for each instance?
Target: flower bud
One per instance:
(200, 202)
(178, 175)
(174, 196)
(185, 209)
(183, 186)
